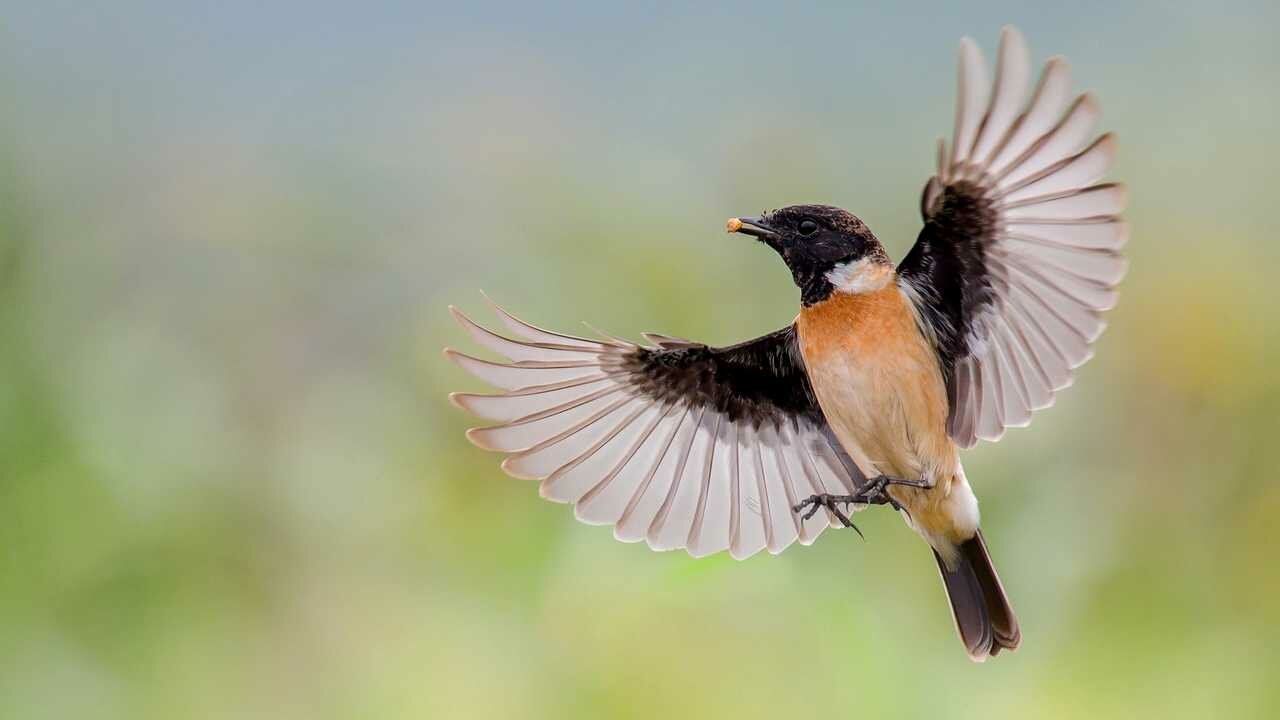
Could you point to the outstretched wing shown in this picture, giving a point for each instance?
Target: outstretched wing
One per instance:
(1019, 256)
(678, 444)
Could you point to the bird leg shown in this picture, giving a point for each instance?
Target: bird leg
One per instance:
(829, 501)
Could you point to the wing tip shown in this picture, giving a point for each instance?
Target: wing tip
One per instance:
(739, 553)
(498, 309)
(1024, 422)
(1121, 272)
(1014, 44)
(476, 437)
(807, 537)
(1122, 190)
(623, 536)
(993, 436)
(460, 317)
(697, 553)
(657, 545)
(456, 400)
(582, 516)
(461, 359)
(1122, 233)
(775, 548)
(544, 489)
(469, 326)
(608, 339)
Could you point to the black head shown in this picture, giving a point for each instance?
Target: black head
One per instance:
(814, 240)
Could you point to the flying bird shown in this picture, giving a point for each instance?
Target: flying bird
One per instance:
(886, 374)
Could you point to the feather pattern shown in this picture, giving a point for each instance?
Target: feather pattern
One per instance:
(1019, 255)
(750, 524)
(676, 443)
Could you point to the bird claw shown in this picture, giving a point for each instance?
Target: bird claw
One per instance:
(829, 501)
(873, 493)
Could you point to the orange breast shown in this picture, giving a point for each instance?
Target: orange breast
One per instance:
(870, 325)
(880, 386)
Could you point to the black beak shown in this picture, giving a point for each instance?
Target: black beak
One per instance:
(753, 226)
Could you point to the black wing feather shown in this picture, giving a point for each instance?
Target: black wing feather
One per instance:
(948, 268)
(757, 381)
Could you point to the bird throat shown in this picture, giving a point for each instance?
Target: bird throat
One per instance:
(865, 275)
(858, 277)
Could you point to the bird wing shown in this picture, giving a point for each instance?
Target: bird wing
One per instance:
(678, 444)
(1019, 254)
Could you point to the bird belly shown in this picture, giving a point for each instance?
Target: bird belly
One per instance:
(879, 385)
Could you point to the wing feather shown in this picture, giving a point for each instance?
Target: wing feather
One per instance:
(518, 351)
(519, 404)
(750, 525)
(670, 530)
(606, 501)
(713, 521)
(784, 525)
(539, 461)
(1019, 255)
(677, 443)
(1046, 108)
(573, 480)
(647, 499)
(1009, 94)
(543, 427)
(524, 374)
(537, 334)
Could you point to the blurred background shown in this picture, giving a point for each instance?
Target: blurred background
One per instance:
(231, 486)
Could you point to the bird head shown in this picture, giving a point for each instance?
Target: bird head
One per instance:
(826, 248)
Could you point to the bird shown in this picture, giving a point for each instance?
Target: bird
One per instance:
(886, 374)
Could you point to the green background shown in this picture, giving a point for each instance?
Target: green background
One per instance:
(231, 486)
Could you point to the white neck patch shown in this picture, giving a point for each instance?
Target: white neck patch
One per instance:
(860, 276)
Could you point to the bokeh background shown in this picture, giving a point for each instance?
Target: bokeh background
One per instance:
(231, 486)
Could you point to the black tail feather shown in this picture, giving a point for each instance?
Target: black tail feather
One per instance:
(983, 616)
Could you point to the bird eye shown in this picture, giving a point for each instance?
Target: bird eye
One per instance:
(807, 227)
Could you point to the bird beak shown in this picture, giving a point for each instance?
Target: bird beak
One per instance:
(753, 226)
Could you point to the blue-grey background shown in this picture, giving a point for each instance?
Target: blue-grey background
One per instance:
(230, 485)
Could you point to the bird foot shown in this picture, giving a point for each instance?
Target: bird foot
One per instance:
(829, 501)
(874, 492)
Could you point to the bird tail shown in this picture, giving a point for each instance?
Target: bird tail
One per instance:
(983, 616)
